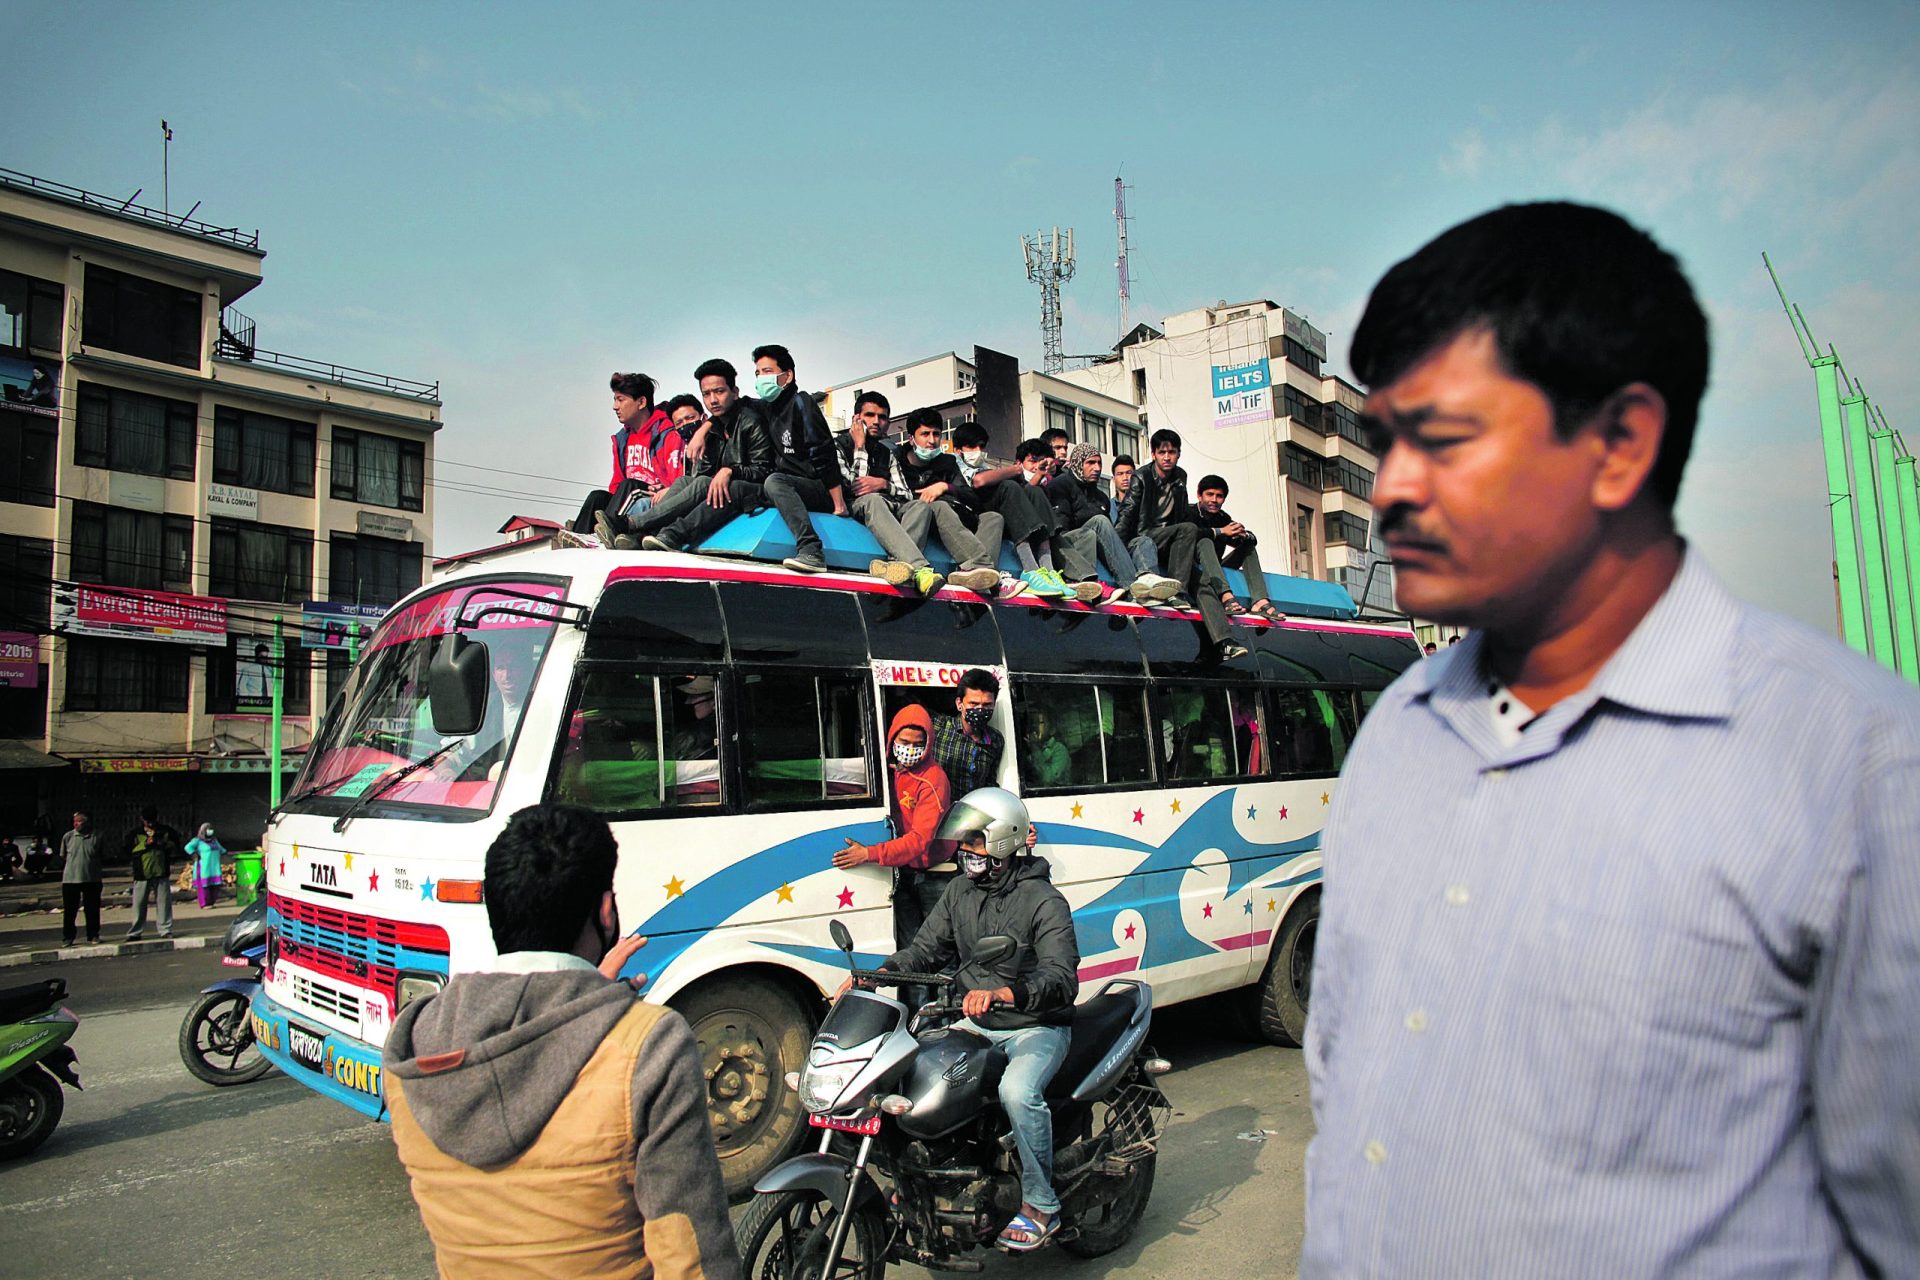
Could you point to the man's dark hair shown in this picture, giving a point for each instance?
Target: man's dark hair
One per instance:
(716, 368)
(781, 357)
(872, 397)
(977, 678)
(1055, 433)
(924, 418)
(1126, 460)
(545, 874)
(1033, 449)
(678, 403)
(1579, 301)
(970, 435)
(1211, 482)
(635, 386)
(1165, 435)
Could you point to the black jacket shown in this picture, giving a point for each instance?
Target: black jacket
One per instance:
(945, 469)
(802, 441)
(1214, 523)
(880, 462)
(747, 446)
(1074, 500)
(1043, 971)
(1140, 512)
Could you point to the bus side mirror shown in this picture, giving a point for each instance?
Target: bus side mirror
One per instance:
(457, 681)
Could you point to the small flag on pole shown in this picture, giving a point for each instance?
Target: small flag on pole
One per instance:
(166, 134)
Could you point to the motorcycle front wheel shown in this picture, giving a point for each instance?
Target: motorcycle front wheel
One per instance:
(30, 1107)
(784, 1236)
(216, 1040)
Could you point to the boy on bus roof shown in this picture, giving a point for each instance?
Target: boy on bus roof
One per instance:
(541, 1094)
(734, 483)
(1022, 506)
(1087, 534)
(943, 503)
(1235, 544)
(1157, 508)
(806, 471)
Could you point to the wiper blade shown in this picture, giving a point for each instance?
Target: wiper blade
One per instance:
(317, 787)
(390, 781)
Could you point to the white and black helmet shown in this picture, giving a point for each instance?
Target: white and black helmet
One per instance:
(994, 811)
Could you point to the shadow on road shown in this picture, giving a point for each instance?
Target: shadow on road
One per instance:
(192, 1105)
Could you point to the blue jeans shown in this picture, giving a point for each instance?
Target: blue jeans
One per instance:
(1033, 1055)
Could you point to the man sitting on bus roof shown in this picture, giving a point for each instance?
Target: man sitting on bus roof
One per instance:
(1157, 508)
(1236, 546)
(705, 453)
(1087, 535)
(874, 487)
(551, 1123)
(1024, 509)
(806, 472)
(736, 485)
(943, 504)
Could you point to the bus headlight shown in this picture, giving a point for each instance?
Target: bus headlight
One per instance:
(412, 986)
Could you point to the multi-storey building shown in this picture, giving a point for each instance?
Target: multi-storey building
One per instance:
(169, 492)
(1243, 386)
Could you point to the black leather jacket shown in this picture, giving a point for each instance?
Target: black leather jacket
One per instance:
(1074, 500)
(748, 444)
(1140, 512)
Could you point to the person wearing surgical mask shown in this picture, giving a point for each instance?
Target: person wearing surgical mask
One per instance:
(806, 469)
(922, 866)
(966, 743)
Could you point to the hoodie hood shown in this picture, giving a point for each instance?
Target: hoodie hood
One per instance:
(913, 715)
(488, 1061)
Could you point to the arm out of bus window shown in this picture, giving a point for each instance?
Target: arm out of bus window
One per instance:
(1055, 979)
(1866, 1026)
(676, 1178)
(924, 798)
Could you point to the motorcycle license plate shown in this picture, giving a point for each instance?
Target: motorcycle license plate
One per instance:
(307, 1047)
(869, 1125)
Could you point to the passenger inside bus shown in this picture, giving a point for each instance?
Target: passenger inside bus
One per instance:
(1044, 757)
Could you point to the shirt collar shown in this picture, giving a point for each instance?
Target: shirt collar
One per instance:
(539, 962)
(1679, 660)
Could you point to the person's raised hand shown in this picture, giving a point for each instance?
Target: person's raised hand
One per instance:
(618, 955)
(852, 856)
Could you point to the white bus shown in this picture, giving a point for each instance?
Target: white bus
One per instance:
(727, 718)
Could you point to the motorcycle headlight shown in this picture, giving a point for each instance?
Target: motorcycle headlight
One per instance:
(412, 986)
(821, 1086)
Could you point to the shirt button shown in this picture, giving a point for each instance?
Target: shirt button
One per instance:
(1494, 775)
(1456, 895)
(1375, 1151)
(1417, 1021)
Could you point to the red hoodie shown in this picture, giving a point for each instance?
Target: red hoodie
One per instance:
(650, 454)
(921, 796)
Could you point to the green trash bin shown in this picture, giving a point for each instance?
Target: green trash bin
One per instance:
(249, 869)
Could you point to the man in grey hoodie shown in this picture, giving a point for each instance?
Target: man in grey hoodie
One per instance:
(80, 880)
(553, 1124)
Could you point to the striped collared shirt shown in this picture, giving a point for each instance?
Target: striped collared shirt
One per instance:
(1639, 994)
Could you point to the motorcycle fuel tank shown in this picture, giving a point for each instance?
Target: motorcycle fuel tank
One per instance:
(954, 1077)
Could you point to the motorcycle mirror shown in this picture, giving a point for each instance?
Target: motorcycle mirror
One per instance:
(842, 938)
(991, 950)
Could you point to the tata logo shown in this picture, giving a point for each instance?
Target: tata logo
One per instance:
(319, 873)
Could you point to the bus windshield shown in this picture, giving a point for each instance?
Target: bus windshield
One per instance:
(384, 724)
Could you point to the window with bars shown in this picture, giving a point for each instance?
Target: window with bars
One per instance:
(1126, 440)
(140, 434)
(141, 317)
(122, 548)
(381, 471)
(31, 311)
(1303, 408)
(259, 561)
(1305, 468)
(1344, 526)
(1060, 417)
(126, 675)
(1344, 473)
(803, 737)
(261, 451)
(1345, 423)
(368, 570)
(28, 442)
(1074, 736)
(26, 583)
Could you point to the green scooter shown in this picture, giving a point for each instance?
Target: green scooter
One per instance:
(35, 1060)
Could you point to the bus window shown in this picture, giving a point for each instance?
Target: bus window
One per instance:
(1310, 730)
(1196, 734)
(1123, 726)
(958, 633)
(1249, 733)
(1074, 736)
(623, 725)
(1367, 698)
(803, 738)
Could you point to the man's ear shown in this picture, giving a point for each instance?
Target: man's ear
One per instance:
(1632, 424)
(609, 915)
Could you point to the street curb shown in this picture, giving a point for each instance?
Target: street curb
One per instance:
(104, 950)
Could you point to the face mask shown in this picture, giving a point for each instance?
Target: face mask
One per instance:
(979, 717)
(908, 756)
(981, 869)
(927, 453)
(766, 386)
(972, 456)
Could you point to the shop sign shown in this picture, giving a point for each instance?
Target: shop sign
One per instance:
(141, 764)
(233, 501)
(1242, 393)
(19, 660)
(1297, 328)
(374, 524)
(326, 625)
(83, 609)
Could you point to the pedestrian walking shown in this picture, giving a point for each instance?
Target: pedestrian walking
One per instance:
(206, 851)
(80, 882)
(151, 845)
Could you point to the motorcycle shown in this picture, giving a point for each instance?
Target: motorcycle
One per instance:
(216, 1038)
(35, 1060)
(921, 1097)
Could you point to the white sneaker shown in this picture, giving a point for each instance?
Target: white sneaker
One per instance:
(1011, 586)
(1162, 588)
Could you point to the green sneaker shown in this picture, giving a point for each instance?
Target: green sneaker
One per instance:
(926, 581)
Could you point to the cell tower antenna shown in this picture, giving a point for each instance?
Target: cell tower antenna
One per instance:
(1049, 258)
(1120, 222)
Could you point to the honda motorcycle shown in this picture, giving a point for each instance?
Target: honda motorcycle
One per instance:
(216, 1038)
(921, 1096)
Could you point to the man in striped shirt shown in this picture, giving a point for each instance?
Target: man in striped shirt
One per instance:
(1618, 967)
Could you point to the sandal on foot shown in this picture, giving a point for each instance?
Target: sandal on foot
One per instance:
(1027, 1226)
(1265, 609)
(1233, 607)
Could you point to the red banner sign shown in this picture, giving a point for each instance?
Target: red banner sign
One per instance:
(82, 609)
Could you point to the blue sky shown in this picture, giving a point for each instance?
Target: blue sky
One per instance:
(515, 200)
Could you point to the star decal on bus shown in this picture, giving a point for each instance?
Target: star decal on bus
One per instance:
(1130, 929)
(1248, 906)
(1176, 806)
(426, 889)
(784, 893)
(1283, 813)
(1326, 798)
(1140, 816)
(1272, 905)
(283, 866)
(846, 896)
(674, 888)
(373, 881)
(1249, 813)
(1206, 912)
(346, 860)
(1076, 808)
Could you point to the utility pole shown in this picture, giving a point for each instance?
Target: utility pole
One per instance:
(1049, 265)
(166, 186)
(1120, 222)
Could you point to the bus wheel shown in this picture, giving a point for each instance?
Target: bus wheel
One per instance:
(750, 1035)
(1275, 1008)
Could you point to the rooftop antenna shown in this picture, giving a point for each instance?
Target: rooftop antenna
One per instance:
(166, 145)
(1049, 265)
(1120, 221)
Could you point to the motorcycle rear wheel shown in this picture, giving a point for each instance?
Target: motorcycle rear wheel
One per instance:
(30, 1107)
(216, 1040)
(784, 1236)
(1112, 1224)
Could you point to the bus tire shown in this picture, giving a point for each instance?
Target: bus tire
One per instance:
(1275, 1008)
(750, 1033)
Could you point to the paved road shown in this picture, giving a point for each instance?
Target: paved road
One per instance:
(153, 1174)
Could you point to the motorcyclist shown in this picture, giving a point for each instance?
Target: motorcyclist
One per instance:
(1023, 1003)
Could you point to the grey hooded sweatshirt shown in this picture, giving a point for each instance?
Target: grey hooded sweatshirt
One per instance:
(526, 1038)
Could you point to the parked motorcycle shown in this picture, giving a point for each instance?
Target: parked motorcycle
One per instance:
(216, 1039)
(35, 1060)
(921, 1095)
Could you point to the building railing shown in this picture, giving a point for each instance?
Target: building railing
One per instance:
(236, 335)
(128, 209)
(345, 375)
